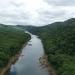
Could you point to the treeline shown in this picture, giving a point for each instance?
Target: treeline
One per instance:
(59, 44)
(11, 40)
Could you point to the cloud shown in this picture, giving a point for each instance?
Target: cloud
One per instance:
(35, 12)
(61, 2)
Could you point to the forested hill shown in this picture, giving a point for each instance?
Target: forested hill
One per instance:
(11, 40)
(49, 27)
(59, 43)
(30, 28)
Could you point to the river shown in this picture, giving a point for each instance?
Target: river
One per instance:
(28, 62)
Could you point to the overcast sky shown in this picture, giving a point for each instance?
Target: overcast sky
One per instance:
(35, 12)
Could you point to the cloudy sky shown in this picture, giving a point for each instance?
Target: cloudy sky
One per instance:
(35, 12)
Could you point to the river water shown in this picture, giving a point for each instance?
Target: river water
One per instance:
(28, 63)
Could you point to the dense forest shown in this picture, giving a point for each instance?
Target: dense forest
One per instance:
(59, 43)
(11, 40)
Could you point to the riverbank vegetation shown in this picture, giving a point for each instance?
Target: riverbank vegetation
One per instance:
(59, 44)
(11, 41)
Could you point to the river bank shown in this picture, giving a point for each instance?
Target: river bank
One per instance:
(45, 64)
(12, 61)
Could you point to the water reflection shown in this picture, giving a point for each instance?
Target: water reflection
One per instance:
(28, 64)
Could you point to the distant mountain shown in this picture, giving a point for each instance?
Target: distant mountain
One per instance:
(34, 29)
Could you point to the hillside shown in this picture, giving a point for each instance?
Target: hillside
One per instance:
(11, 40)
(59, 44)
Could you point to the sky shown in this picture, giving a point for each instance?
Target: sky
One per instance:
(35, 12)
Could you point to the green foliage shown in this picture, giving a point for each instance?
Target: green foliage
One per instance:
(59, 44)
(11, 40)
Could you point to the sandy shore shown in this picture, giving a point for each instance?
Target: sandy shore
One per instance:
(45, 64)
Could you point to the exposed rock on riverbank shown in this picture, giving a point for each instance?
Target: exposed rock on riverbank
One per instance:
(45, 64)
